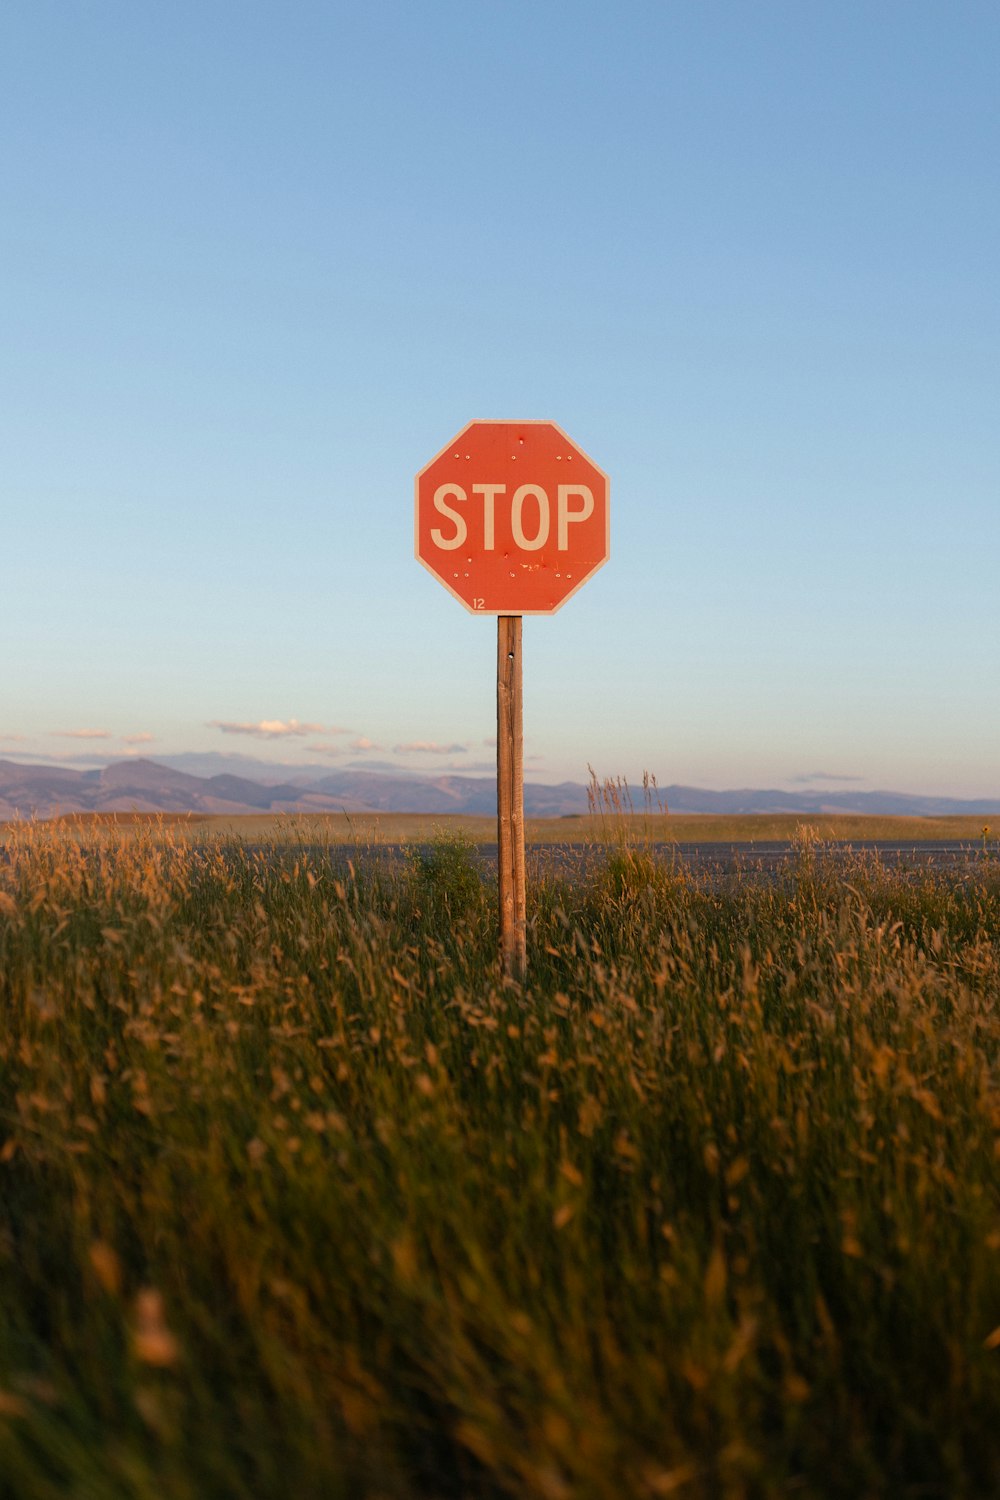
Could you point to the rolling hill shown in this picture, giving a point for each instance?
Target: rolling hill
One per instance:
(138, 785)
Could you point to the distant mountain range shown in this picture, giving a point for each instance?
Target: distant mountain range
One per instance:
(155, 787)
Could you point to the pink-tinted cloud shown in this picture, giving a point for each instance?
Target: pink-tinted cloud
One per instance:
(144, 738)
(14, 739)
(364, 743)
(82, 734)
(324, 749)
(273, 729)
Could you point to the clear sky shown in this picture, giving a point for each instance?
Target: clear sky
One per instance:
(260, 261)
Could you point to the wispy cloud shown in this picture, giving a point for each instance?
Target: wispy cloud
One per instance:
(364, 743)
(62, 757)
(427, 747)
(144, 738)
(14, 739)
(274, 729)
(811, 776)
(323, 749)
(82, 734)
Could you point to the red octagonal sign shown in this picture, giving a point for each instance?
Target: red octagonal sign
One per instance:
(512, 517)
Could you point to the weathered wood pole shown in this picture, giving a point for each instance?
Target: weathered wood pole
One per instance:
(510, 796)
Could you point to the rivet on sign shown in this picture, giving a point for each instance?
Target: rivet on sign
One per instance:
(458, 455)
(558, 458)
(466, 455)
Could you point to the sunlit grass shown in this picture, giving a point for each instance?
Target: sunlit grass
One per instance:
(585, 828)
(299, 1197)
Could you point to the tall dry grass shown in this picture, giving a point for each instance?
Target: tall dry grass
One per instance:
(299, 1197)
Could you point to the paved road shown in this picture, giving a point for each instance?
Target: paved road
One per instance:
(762, 858)
(771, 858)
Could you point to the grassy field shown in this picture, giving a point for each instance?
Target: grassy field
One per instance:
(299, 1198)
(608, 827)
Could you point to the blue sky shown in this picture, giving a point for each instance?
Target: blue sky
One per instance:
(260, 261)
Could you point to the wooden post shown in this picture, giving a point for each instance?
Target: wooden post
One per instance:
(510, 796)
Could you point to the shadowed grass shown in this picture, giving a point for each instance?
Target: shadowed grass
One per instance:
(298, 1196)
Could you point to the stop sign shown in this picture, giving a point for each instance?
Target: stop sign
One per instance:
(512, 517)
